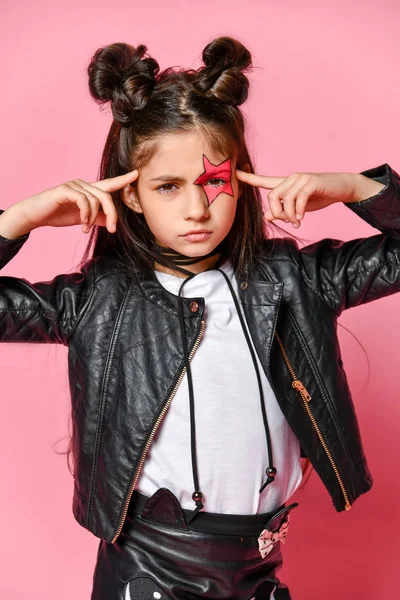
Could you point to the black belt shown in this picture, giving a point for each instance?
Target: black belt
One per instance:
(164, 507)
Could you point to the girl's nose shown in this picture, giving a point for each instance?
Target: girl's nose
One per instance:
(196, 203)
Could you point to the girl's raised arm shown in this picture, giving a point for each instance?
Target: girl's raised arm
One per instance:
(354, 272)
(49, 311)
(45, 311)
(343, 274)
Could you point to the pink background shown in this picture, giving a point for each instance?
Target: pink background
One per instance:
(324, 97)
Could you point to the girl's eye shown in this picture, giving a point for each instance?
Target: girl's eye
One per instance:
(219, 182)
(163, 190)
(167, 187)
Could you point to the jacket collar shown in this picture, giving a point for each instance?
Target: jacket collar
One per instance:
(252, 291)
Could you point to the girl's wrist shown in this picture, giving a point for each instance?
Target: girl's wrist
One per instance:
(366, 188)
(13, 223)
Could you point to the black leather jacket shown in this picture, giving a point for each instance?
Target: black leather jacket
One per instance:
(126, 359)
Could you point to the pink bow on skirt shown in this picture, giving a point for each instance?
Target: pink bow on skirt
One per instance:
(267, 539)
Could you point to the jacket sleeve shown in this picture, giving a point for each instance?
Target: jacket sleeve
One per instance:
(346, 274)
(46, 311)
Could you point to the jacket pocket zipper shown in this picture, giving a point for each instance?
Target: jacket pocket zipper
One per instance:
(306, 398)
(153, 432)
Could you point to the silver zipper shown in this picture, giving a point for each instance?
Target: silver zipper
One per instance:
(153, 432)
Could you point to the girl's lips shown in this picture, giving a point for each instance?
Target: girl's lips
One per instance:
(197, 237)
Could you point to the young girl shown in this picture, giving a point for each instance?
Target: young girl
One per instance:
(205, 369)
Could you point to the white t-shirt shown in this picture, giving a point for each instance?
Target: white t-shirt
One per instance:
(230, 436)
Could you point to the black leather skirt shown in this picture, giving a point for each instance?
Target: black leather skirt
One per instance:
(161, 555)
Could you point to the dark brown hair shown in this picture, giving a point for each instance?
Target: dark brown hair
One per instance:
(146, 104)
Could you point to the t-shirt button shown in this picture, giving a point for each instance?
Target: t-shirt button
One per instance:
(194, 306)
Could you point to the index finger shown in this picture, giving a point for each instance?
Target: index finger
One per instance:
(263, 181)
(116, 183)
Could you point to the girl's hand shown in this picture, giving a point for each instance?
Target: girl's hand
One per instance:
(76, 202)
(295, 194)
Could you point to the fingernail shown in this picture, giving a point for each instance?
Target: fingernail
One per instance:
(298, 216)
(296, 225)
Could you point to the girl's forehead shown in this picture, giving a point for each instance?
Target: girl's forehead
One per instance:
(183, 152)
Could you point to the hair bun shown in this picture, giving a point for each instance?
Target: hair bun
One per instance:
(224, 58)
(119, 73)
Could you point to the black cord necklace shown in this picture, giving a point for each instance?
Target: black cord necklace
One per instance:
(173, 259)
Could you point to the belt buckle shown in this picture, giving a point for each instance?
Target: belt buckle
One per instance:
(267, 538)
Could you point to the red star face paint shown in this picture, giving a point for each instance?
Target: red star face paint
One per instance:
(221, 171)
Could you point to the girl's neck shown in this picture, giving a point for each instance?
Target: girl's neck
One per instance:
(196, 268)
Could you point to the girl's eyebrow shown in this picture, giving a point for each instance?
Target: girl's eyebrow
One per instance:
(180, 179)
(169, 178)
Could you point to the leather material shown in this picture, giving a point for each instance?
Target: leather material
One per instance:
(125, 351)
(163, 506)
(155, 558)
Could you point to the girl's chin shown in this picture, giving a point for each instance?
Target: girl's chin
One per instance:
(192, 247)
(196, 249)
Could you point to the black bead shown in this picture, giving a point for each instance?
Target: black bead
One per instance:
(271, 471)
(196, 496)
